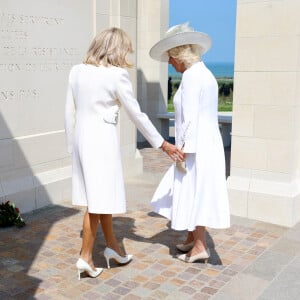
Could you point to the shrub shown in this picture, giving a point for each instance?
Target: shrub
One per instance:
(225, 87)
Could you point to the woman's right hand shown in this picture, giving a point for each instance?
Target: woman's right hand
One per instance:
(174, 152)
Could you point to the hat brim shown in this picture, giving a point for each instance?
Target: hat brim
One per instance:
(159, 50)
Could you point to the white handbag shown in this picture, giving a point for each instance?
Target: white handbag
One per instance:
(181, 165)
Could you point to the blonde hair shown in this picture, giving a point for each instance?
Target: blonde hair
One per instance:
(110, 47)
(187, 54)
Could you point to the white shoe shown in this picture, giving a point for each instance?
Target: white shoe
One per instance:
(204, 255)
(185, 247)
(110, 253)
(83, 266)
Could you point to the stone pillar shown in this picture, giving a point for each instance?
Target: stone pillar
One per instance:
(153, 22)
(265, 154)
(39, 42)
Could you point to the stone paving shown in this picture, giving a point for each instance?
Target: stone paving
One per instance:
(250, 260)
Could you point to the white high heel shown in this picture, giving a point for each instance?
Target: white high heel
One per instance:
(83, 266)
(110, 253)
(204, 255)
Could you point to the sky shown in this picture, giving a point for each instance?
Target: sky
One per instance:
(214, 17)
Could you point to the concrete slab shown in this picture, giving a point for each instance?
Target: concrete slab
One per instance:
(242, 287)
(268, 265)
(286, 285)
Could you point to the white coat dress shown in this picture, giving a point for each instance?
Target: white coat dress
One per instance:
(199, 196)
(94, 96)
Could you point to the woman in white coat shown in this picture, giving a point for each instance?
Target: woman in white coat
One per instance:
(193, 196)
(96, 90)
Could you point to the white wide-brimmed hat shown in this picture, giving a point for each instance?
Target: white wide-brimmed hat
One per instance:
(179, 35)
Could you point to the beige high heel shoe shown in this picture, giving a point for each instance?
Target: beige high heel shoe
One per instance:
(110, 253)
(83, 266)
(204, 255)
(185, 247)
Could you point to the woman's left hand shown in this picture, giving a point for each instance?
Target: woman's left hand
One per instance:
(173, 151)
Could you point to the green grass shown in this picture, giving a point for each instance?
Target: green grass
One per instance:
(170, 107)
(225, 88)
(225, 107)
(221, 107)
(225, 104)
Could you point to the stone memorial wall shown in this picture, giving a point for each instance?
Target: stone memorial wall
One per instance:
(39, 41)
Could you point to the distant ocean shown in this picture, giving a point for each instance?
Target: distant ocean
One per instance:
(223, 69)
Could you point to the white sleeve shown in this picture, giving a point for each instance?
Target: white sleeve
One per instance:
(132, 107)
(70, 116)
(190, 97)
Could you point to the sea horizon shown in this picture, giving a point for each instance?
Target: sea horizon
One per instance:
(219, 69)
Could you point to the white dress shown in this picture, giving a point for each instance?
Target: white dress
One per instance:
(93, 99)
(199, 196)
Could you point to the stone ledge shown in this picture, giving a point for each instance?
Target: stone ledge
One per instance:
(267, 201)
(37, 190)
(224, 118)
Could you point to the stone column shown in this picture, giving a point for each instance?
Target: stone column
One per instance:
(265, 154)
(39, 42)
(153, 22)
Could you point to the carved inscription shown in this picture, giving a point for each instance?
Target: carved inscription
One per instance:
(9, 19)
(22, 51)
(6, 95)
(38, 51)
(11, 35)
(35, 67)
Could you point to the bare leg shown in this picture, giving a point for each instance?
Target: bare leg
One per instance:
(200, 241)
(109, 235)
(189, 238)
(90, 224)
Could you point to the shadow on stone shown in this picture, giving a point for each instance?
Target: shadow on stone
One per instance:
(125, 228)
(19, 250)
(179, 235)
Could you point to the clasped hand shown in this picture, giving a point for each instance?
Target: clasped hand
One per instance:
(174, 152)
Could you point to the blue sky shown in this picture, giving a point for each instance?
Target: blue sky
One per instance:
(214, 17)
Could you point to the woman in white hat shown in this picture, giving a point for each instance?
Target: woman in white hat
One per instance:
(193, 196)
(96, 90)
